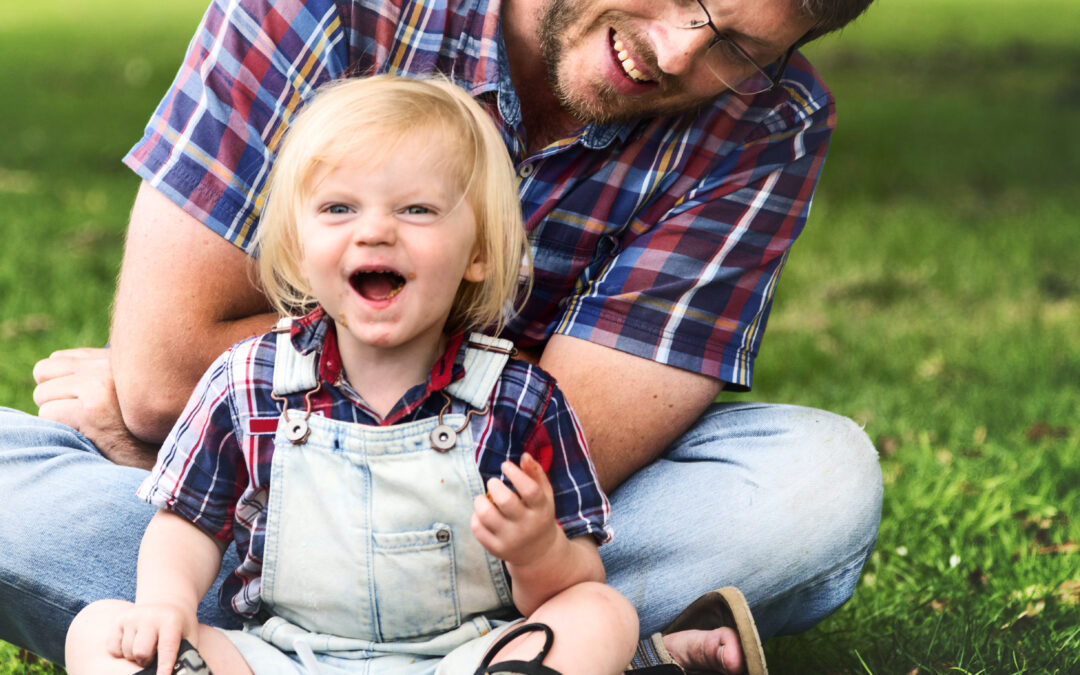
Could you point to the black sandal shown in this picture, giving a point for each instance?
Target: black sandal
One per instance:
(188, 662)
(534, 667)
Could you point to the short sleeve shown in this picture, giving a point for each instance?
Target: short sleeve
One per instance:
(200, 464)
(689, 282)
(210, 143)
(558, 443)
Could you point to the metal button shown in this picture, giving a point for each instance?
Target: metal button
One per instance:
(297, 431)
(443, 535)
(443, 437)
(526, 170)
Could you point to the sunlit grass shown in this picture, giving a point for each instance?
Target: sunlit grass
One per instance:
(934, 298)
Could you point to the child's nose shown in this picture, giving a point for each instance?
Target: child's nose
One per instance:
(375, 229)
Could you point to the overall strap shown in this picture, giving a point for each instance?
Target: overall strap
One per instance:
(294, 372)
(485, 358)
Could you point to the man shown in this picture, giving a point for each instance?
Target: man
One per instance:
(668, 153)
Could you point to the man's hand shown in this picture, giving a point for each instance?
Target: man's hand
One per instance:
(517, 525)
(75, 387)
(149, 630)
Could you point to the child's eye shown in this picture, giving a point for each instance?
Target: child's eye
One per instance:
(417, 210)
(336, 209)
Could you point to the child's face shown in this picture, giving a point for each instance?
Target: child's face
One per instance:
(387, 245)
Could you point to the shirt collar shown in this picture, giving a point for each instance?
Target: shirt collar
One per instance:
(593, 136)
(314, 331)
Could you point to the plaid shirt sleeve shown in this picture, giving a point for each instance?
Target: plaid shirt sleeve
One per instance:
(210, 142)
(530, 415)
(690, 280)
(201, 464)
(580, 505)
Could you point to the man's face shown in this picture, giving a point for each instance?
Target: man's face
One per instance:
(612, 60)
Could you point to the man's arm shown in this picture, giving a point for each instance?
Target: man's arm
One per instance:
(631, 408)
(184, 296)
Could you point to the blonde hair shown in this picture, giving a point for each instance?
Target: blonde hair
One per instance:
(368, 118)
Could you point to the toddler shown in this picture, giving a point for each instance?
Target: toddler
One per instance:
(399, 489)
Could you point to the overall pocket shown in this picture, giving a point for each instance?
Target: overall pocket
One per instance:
(414, 582)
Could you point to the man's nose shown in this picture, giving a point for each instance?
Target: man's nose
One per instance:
(680, 50)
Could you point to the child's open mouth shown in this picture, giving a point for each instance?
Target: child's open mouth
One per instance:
(377, 284)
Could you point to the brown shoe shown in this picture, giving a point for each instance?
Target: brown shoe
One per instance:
(716, 609)
(725, 607)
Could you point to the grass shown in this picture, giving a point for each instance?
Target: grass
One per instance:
(935, 296)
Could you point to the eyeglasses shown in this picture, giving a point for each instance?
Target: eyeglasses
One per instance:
(730, 63)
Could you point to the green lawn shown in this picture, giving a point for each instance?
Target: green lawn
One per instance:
(935, 296)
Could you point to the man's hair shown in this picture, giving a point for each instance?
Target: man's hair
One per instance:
(830, 15)
(369, 118)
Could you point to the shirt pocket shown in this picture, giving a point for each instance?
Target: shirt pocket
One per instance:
(414, 582)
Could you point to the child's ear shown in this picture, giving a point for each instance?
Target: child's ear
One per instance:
(477, 269)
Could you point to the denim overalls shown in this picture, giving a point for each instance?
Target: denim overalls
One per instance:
(369, 550)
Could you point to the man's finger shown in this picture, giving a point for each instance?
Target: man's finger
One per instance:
(54, 389)
(68, 362)
(65, 411)
(82, 353)
(52, 368)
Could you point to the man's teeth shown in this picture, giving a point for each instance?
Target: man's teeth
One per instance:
(628, 63)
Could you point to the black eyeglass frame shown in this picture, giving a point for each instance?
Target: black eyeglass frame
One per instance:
(718, 37)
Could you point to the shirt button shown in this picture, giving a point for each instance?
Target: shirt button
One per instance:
(526, 170)
(443, 535)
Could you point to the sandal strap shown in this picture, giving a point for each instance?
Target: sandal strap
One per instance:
(188, 662)
(533, 667)
(651, 657)
(518, 668)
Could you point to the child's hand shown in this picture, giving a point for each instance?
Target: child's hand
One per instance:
(517, 528)
(149, 630)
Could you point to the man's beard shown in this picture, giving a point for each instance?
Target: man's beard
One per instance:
(605, 105)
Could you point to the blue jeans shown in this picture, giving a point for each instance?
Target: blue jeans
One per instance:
(781, 501)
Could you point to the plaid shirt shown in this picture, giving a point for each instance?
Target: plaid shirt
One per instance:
(214, 468)
(661, 237)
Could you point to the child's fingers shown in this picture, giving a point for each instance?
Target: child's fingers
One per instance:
(534, 469)
(529, 480)
(487, 514)
(482, 533)
(168, 647)
(113, 640)
(504, 499)
(144, 646)
(127, 638)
